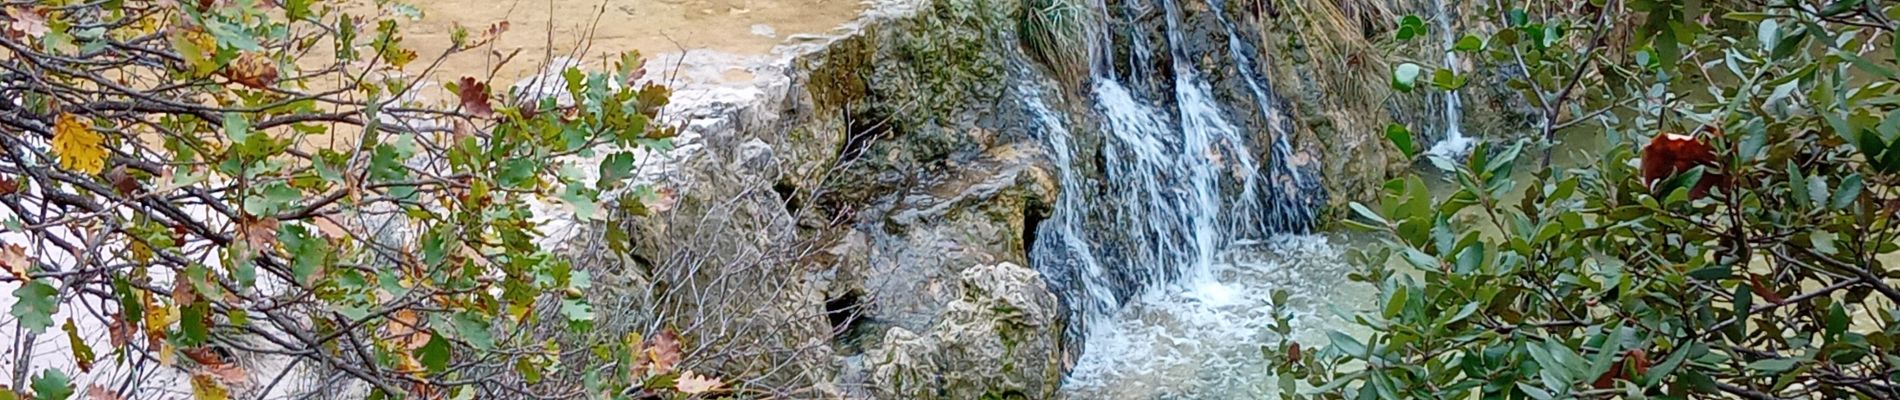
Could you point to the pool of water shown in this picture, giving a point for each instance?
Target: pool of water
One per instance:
(1200, 338)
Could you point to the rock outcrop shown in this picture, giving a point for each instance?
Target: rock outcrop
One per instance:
(997, 340)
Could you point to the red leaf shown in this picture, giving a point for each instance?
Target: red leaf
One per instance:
(1669, 154)
(474, 97)
(1760, 289)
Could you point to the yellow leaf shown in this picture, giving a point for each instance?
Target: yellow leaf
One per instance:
(206, 387)
(79, 148)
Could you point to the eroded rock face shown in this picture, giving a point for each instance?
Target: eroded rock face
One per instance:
(999, 340)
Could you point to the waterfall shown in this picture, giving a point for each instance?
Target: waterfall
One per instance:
(1289, 212)
(1180, 182)
(1065, 240)
(1455, 142)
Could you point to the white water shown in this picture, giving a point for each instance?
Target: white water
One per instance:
(1209, 145)
(1066, 224)
(1455, 142)
(1285, 214)
(1180, 342)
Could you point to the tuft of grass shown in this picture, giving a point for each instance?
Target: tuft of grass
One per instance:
(1337, 34)
(1055, 33)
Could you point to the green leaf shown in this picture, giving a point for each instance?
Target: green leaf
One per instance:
(236, 127)
(1469, 43)
(1798, 183)
(296, 9)
(52, 384)
(1773, 365)
(434, 355)
(1405, 77)
(1346, 344)
(1839, 7)
(1849, 191)
(1396, 303)
(193, 329)
(82, 352)
(1836, 320)
(577, 310)
(1401, 138)
(1668, 366)
(34, 305)
(1517, 17)
(473, 329)
(1743, 303)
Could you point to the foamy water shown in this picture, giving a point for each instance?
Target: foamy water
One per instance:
(1200, 338)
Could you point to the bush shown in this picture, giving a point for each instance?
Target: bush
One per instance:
(1594, 281)
(216, 181)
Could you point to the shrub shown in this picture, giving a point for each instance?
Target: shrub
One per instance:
(1592, 282)
(217, 181)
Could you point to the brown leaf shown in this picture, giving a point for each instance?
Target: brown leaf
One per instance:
(1293, 353)
(206, 387)
(119, 330)
(26, 22)
(663, 352)
(216, 364)
(1760, 289)
(329, 228)
(405, 328)
(183, 293)
(258, 232)
(96, 392)
(9, 186)
(255, 70)
(488, 36)
(474, 97)
(691, 383)
(17, 262)
(663, 200)
(122, 182)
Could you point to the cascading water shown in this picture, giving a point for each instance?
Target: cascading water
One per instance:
(1288, 212)
(1065, 245)
(1181, 191)
(1455, 142)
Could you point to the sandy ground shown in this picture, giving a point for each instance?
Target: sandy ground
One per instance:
(598, 30)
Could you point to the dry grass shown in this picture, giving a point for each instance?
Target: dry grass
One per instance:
(1350, 66)
(1055, 33)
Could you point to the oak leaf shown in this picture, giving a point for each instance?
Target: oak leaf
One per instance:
(17, 262)
(474, 96)
(663, 352)
(79, 148)
(206, 387)
(252, 69)
(691, 383)
(26, 22)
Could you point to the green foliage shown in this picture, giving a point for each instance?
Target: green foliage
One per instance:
(36, 302)
(52, 384)
(1586, 281)
(197, 174)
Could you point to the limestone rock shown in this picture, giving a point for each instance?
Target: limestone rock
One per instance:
(999, 340)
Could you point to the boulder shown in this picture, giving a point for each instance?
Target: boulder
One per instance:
(999, 340)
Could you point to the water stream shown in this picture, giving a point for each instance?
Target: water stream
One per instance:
(1455, 141)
